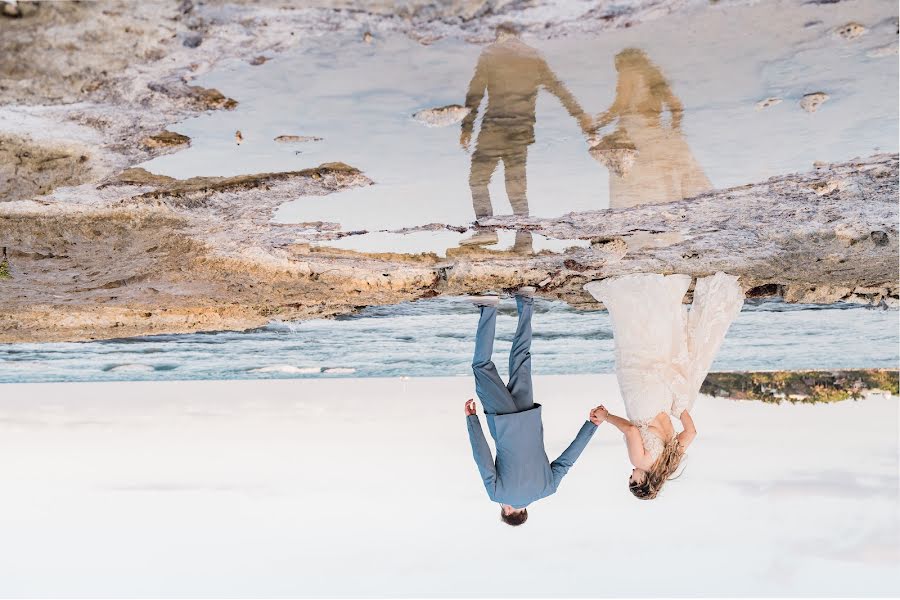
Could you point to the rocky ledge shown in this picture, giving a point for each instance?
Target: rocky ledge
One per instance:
(96, 249)
(139, 254)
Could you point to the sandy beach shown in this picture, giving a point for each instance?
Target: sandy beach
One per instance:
(366, 487)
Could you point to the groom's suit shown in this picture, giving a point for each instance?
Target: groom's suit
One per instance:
(521, 473)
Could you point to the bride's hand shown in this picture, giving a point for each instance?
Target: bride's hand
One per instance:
(598, 415)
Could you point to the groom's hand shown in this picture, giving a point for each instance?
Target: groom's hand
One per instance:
(464, 138)
(587, 125)
(598, 415)
(470, 407)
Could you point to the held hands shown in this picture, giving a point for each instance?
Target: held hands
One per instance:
(470, 407)
(587, 125)
(598, 415)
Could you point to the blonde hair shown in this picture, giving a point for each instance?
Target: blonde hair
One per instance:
(660, 472)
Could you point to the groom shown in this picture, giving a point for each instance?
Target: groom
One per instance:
(511, 73)
(522, 473)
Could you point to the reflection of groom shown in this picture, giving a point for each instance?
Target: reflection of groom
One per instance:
(511, 72)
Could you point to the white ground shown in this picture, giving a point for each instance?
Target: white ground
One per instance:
(367, 487)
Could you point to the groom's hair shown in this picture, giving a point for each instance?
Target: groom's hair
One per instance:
(507, 28)
(516, 518)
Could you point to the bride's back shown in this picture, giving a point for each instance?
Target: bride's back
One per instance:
(662, 426)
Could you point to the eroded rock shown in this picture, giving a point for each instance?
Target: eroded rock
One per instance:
(126, 252)
(812, 102)
(297, 139)
(145, 254)
(850, 31)
(767, 102)
(166, 139)
(200, 98)
(442, 116)
(28, 168)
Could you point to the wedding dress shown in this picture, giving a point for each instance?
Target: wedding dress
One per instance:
(664, 351)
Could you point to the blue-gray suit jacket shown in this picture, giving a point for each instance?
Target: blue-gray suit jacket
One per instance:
(522, 472)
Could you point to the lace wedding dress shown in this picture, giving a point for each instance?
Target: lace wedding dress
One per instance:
(663, 350)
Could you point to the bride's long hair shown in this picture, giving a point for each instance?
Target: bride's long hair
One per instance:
(660, 472)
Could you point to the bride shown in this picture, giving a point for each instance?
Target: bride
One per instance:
(663, 353)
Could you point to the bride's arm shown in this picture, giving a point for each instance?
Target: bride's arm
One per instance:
(636, 452)
(690, 432)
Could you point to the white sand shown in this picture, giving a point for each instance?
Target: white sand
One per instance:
(367, 487)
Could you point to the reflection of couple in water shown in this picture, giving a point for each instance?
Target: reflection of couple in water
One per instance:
(648, 160)
(663, 353)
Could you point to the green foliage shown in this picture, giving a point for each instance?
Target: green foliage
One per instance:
(808, 387)
(4, 270)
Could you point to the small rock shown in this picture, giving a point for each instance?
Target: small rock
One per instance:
(767, 103)
(367, 37)
(297, 139)
(212, 98)
(880, 238)
(200, 97)
(192, 40)
(258, 60)
(823, 188)
(11, 9)
(238, 136)
(812, 102)
(882, 51)
(138, 176)
(165, 139)
(850, 31)
(441, 116)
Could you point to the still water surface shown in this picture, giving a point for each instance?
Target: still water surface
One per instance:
(653, 113)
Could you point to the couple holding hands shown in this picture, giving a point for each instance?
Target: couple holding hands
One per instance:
(663, 352)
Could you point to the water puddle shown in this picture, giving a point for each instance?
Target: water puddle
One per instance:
(648, 114)
(442, 243)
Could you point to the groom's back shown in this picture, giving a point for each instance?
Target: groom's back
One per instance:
(523, 469)
(513, 72)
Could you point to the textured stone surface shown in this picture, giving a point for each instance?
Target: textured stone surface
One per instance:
(142, 254)
(99, 249)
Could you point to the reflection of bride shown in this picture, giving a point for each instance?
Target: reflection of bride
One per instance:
(663, 353)
(649, 162)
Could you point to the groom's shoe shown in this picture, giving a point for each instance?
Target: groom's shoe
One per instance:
(526, 291)
(480, 238)
(486, 300)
